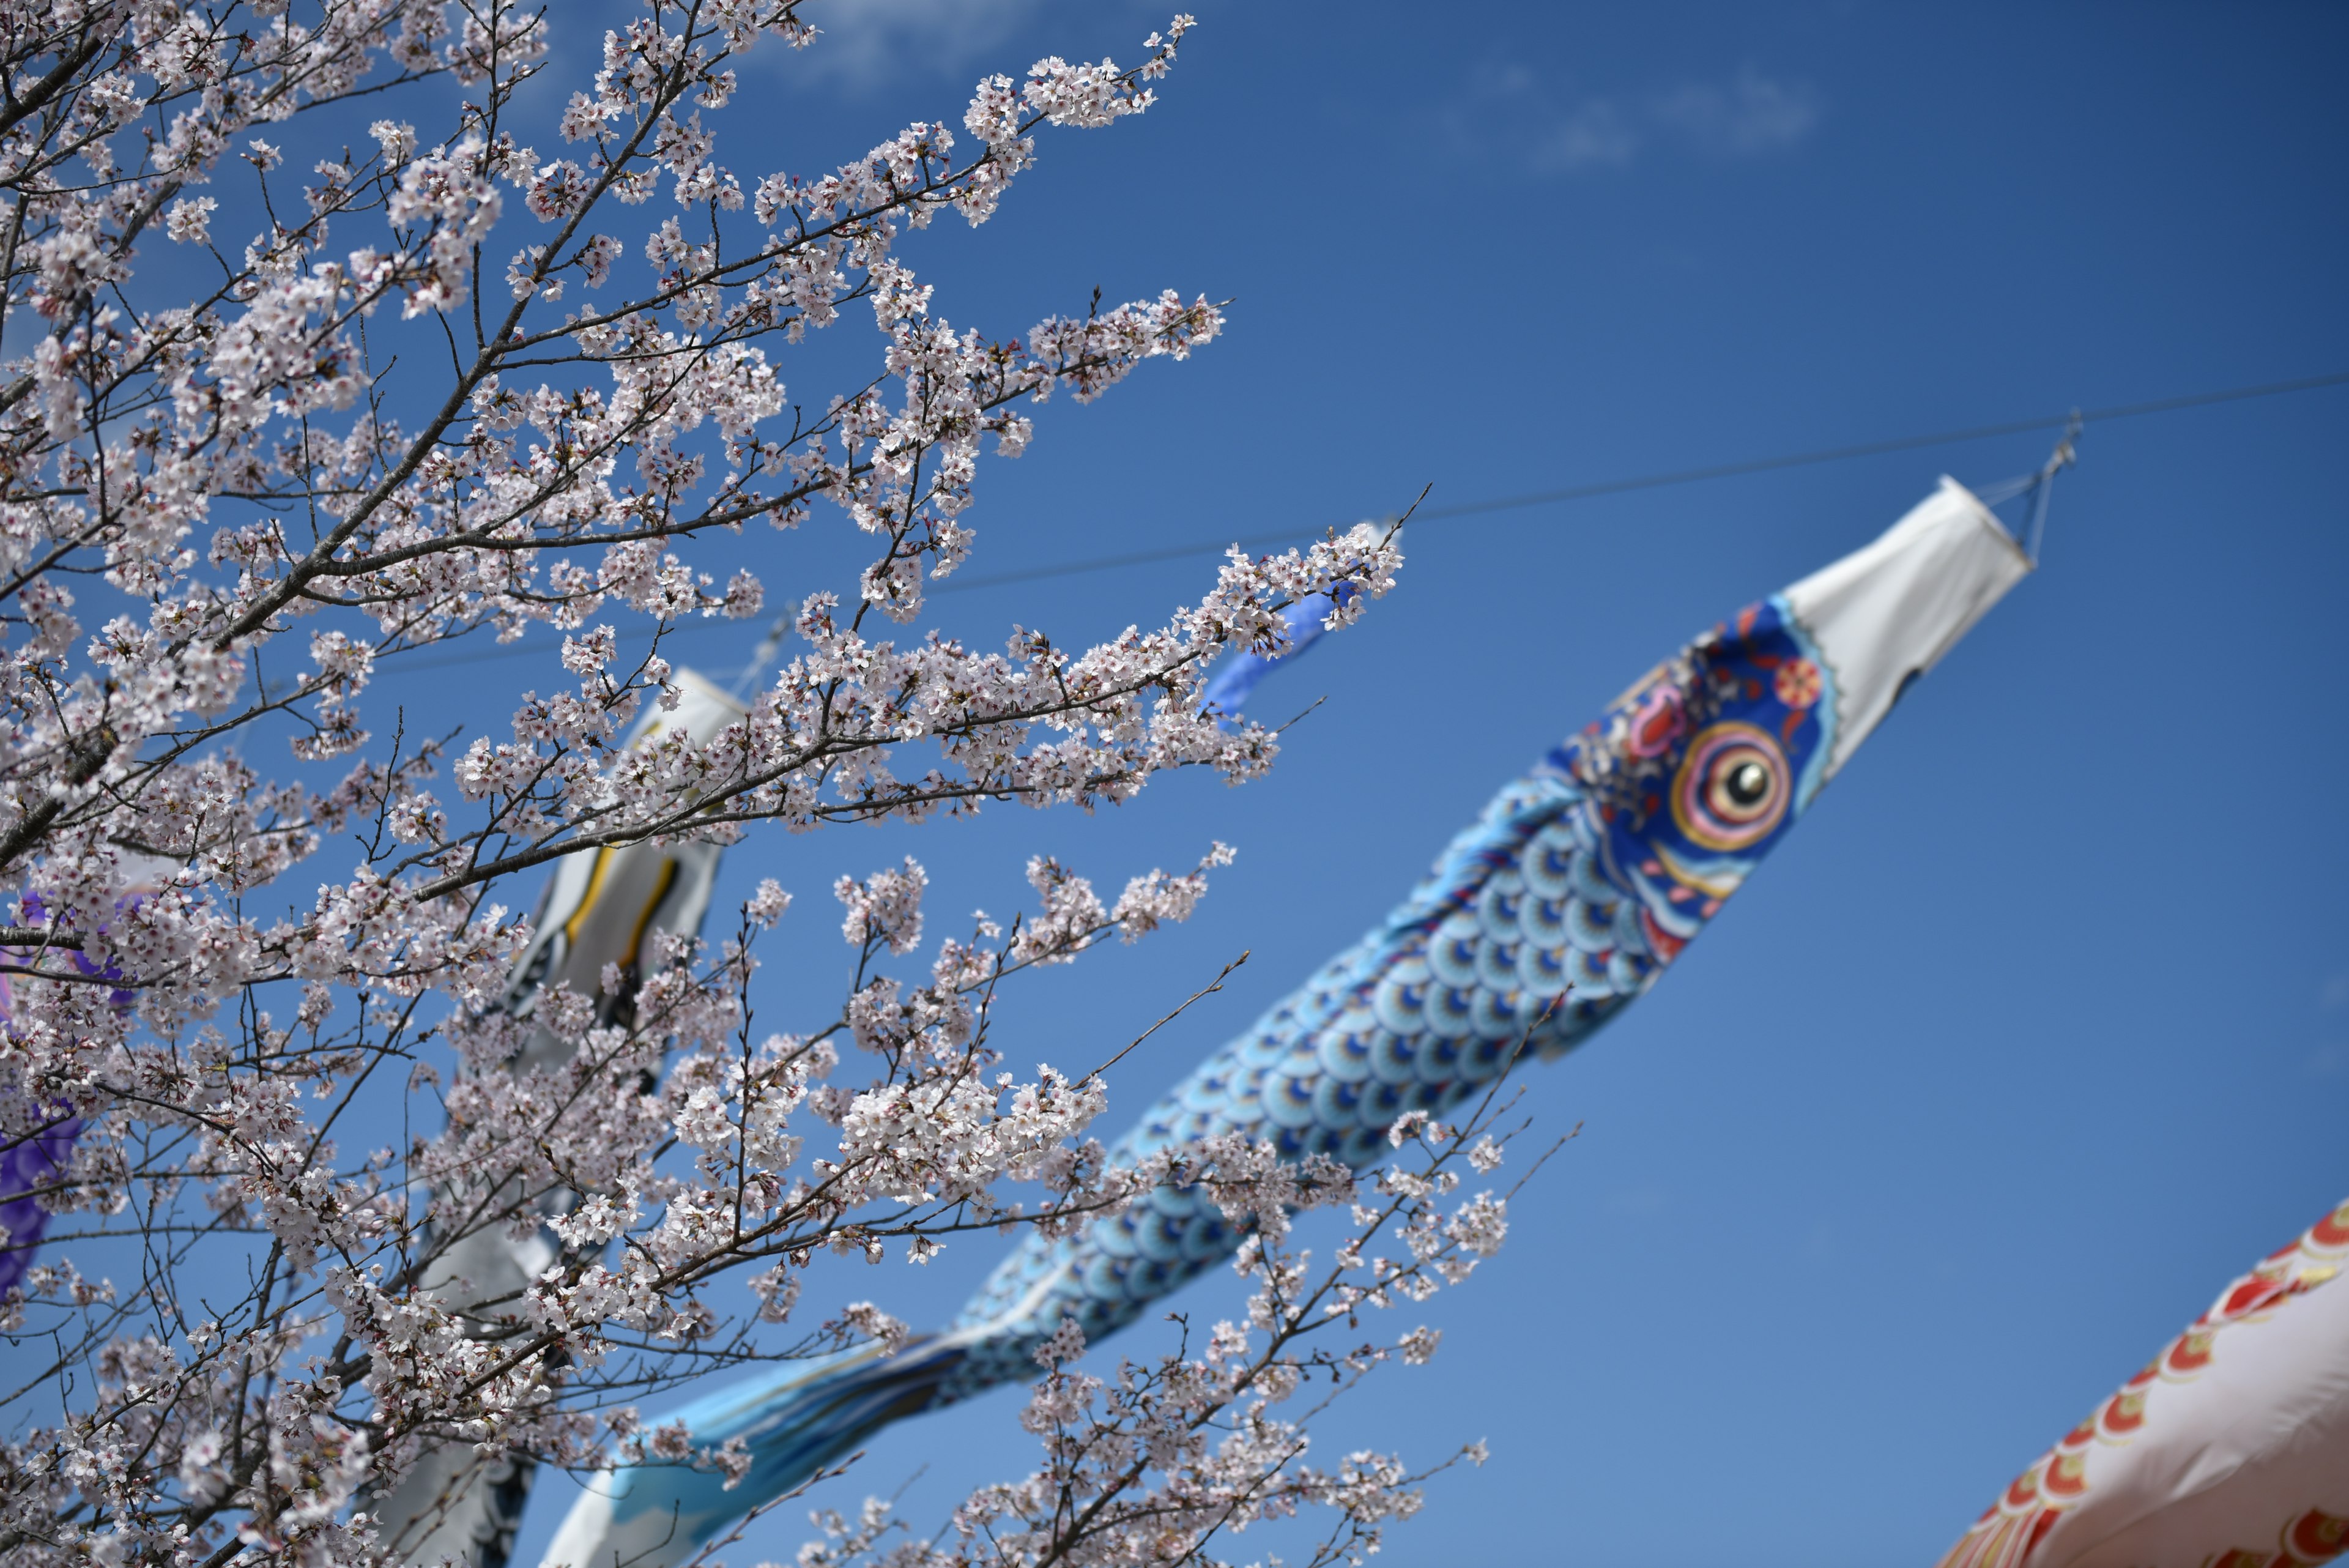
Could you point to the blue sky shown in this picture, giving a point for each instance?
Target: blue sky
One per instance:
(2038, 1030)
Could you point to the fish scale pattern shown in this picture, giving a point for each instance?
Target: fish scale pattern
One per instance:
(1524, 937)
(1560, 904)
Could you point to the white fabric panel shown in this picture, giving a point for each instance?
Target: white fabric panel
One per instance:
(585, 1540)
(1891, 610)
(2237, 1457)
(2230, 1449)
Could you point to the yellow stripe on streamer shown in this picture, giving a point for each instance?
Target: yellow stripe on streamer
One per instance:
(599, 907)
(600, 904)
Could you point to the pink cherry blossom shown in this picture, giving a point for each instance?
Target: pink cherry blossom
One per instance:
(249, 901)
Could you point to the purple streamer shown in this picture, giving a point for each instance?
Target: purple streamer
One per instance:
(27, 1164)
(35, 1161)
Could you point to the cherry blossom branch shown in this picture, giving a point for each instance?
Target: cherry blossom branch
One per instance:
(236, 973)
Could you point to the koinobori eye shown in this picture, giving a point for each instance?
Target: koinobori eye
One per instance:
(1745, 781)
(1732, 788)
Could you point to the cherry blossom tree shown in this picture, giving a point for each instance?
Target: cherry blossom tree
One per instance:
(453, 389)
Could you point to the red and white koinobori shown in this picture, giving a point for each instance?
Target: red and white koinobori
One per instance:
(2230, 1449)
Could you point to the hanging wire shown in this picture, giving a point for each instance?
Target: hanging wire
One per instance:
(1675, 477)
(760, 658)
(2038, 485)
(2041, 483)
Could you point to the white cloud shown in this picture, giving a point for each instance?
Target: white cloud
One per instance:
(1752, 115)
(1594, 133)
(1749, 115)
(866, 42)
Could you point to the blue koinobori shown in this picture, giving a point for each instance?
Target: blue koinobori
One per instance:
(1571, 895)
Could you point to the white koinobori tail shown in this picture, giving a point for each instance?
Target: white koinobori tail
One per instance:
(2230, 1450)
(600, 906)
(1872, 622)
(1885, 614)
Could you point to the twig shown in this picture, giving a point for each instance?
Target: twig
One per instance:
(1212, 986)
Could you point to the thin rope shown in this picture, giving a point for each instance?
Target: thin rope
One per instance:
(760, 658)
(1677, 476)
(2036, 487)
(2042, 490)
(1571, 494)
